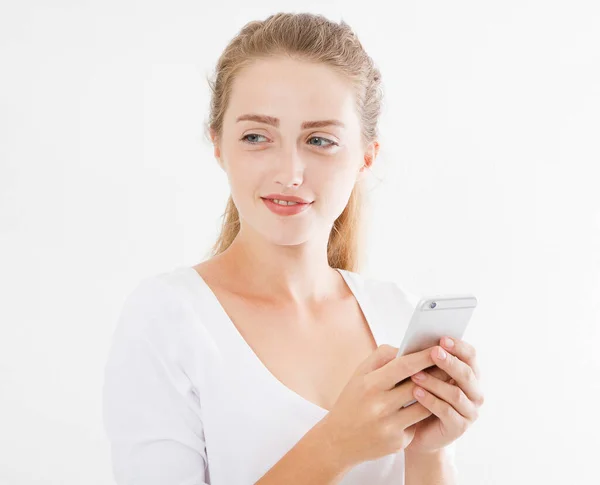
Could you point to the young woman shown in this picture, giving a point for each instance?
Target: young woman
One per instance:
(270, 362)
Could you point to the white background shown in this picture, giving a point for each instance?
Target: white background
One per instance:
(487, 182)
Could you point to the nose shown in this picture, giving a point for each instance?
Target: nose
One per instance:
(290, 168)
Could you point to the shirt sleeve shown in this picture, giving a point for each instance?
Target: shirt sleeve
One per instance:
(151, 412)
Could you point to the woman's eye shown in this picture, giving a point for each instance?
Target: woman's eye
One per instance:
(251, 134)
(325, 147)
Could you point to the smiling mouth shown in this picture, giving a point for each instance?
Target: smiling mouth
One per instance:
(285, 209)
(285, 203)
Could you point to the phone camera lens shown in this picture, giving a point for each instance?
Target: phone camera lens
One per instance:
(432, 304)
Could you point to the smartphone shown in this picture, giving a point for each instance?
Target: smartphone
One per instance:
(433, 318)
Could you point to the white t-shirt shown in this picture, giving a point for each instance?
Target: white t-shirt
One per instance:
(186, 401)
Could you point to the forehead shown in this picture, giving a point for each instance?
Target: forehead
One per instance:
(294, 91)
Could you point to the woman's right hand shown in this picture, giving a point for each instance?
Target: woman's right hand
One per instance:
(367, 421)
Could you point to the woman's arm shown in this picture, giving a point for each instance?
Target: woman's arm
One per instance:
(314, 460)
(436, 468)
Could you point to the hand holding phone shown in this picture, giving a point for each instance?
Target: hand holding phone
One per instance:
(435, 317)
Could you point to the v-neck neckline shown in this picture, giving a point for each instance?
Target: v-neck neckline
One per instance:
(361, 299)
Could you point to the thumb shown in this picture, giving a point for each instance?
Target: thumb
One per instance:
(381, 356)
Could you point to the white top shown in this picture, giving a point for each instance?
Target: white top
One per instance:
(186, 401)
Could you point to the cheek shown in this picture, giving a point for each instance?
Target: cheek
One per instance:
(334, 192)
(244, 179)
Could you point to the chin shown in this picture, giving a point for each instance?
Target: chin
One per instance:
(282, 234)
(288, 239)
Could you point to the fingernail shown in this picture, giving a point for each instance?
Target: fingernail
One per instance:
(441, 353)
(448, 342)
(419, 392)
(419, 376)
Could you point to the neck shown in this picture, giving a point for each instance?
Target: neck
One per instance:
(297, 275)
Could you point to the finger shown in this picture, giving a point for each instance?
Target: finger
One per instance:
(451, 419)
(463, 350)
(402, 393)
(381, 356)
(437, 372)
(399, 368)
(399, 396)
(434, 370)
(461, 372)
(409, 416)
(453, 395)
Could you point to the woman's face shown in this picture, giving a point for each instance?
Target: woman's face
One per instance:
(319, 164)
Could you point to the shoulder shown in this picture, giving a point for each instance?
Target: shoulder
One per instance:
(389, 304)
(385, 291)
(155, 308)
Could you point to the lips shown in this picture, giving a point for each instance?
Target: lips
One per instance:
(288, 198)
(286, 210)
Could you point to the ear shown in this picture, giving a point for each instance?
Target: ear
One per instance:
(370, 155)
(216, 146)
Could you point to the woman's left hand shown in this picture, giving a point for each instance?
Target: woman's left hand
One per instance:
(454, 404)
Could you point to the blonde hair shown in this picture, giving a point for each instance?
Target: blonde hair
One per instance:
(313, 38)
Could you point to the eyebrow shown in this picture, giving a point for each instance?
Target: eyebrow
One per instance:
(270, 120)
